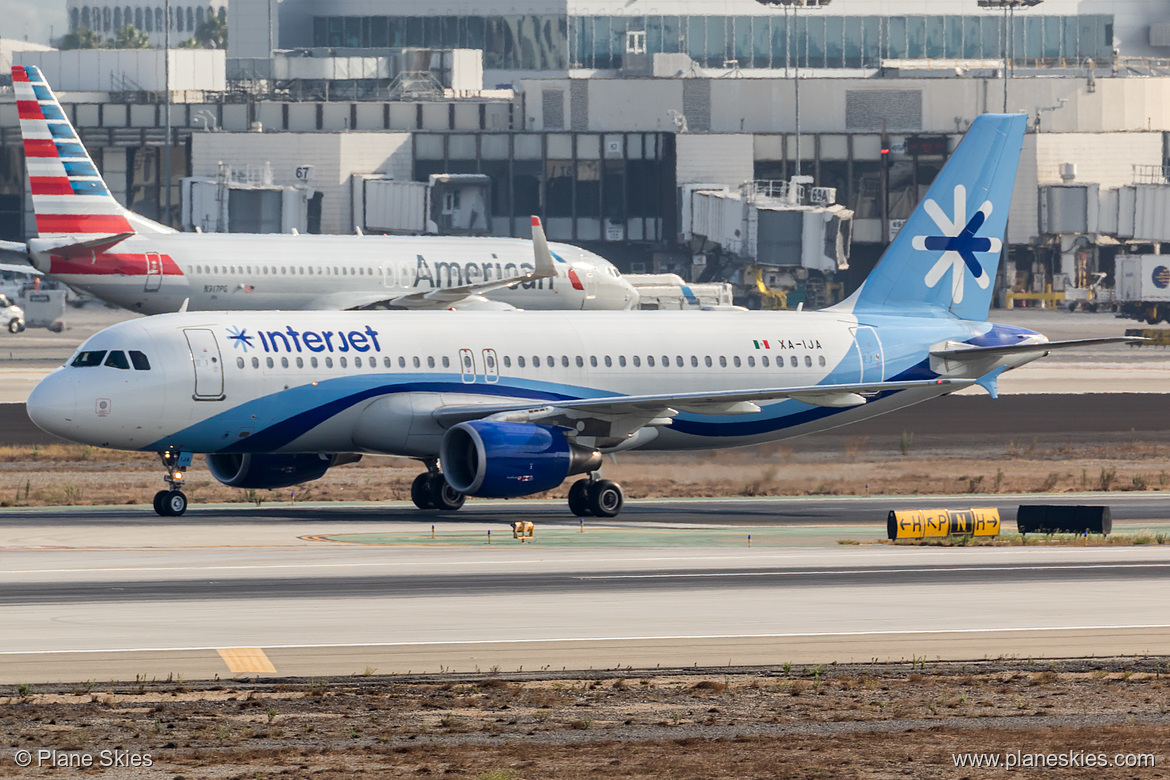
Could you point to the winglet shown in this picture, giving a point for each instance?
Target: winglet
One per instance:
(543, 261)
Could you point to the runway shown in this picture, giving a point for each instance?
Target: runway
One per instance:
(102, 593)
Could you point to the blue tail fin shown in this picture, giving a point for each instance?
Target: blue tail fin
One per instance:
(944, 259)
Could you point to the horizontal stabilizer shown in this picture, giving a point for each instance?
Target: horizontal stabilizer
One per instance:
(14, 251)
(85, 248)
(982, 353)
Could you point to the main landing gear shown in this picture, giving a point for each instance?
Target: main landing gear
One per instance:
(172, 502)
(431, 491)
(595, 497)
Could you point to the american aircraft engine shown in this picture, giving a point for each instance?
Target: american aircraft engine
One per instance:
(271, 470)
(505, 460)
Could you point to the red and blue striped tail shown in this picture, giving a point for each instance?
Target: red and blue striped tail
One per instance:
(69, 197)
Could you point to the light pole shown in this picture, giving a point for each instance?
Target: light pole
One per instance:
(166, 177)
(794, 5)
(1009, 18)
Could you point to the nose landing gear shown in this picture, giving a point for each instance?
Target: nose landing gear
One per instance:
(594, 497)
(172, 502)
(431, 490)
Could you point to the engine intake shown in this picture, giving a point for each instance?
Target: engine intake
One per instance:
(271, 470)
(505, 460)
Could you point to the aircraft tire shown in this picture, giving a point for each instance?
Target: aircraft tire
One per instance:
(420, 492)
(606, 498)
(159, 508)
(579, 499)
(445, 497)
(175, 503)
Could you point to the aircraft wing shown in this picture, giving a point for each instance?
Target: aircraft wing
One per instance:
(445, 296)
(16, 252)
(983, 353)
(612, 419)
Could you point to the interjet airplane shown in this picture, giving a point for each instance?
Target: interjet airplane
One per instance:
(87, 240)
(512, 403)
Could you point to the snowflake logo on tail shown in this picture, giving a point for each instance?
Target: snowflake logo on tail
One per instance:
(958, 244)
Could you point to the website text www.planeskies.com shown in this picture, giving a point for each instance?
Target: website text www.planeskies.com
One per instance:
(1069, 759)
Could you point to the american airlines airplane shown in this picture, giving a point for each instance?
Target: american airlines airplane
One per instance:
(87, 240)
(508, 404)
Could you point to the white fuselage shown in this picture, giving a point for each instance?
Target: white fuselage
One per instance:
(370, 381)
(156, 273)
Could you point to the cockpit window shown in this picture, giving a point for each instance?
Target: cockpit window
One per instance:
(117, 359)
(88, 359)
(139, 360)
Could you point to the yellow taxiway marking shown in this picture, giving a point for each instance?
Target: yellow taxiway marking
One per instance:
(246, 659)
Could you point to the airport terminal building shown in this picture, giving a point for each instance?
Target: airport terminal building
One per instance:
(664, 135)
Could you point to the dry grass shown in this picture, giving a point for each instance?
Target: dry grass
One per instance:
(75, 474)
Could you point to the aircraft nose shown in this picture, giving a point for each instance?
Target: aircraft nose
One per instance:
(52, 405)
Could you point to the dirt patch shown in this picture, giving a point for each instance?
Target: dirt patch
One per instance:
(852, 721)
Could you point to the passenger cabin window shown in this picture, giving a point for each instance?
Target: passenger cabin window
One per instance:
(239, 362)
(821, 360)
(795, 362)
(808, 361)
(117, 359)
(737, 361)
(139, 360)
(88, 359)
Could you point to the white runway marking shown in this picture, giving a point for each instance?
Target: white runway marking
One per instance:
(639, 638)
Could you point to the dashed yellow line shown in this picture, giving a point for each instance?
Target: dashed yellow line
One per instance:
(242, 660)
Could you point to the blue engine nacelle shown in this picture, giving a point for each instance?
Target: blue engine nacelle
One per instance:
(506, 460)
(269, 470)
